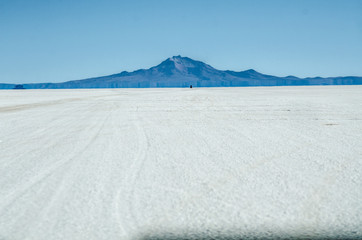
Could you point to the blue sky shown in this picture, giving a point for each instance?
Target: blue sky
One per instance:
(60, 40)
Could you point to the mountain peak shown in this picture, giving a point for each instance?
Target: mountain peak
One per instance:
(181, 66)
(176, 57)
(182, 63)
(181, 60)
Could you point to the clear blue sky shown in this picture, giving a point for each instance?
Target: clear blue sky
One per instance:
(60, 40)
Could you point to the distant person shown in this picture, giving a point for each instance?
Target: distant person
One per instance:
(190, 86)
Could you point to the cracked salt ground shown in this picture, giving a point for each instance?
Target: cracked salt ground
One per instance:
(163, 163)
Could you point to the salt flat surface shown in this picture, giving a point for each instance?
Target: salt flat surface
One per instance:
(129, 163)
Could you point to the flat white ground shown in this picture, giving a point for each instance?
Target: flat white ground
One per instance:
(119, 163)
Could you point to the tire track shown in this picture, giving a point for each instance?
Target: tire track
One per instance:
(124, 198)
(20, 107)
(20, 190)
(71, 171)
(54, 120)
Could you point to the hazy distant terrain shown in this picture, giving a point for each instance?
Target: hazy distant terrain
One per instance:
(180, 71)
(128, 163)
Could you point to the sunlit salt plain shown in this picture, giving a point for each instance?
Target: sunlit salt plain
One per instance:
(136, 163)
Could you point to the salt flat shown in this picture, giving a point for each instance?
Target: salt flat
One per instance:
(134, 163)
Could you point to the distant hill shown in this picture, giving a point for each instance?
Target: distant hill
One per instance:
(6, 86)
(180, 71)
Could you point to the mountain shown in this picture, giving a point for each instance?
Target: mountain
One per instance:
(6, 86)
(180, 71)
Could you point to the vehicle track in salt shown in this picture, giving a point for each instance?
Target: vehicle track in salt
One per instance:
(20, 190)
(125, 197)
(35, 134)
(28, 106)
(72, 169)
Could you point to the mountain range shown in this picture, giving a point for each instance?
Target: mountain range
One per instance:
(180, 71)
